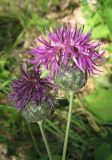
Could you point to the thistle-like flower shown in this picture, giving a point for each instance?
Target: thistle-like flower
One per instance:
(66, 48)
(31, 94)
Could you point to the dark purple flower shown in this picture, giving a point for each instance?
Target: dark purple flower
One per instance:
(31, 88)
(66, 48)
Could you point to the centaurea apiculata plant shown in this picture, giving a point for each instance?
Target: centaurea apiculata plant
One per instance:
(71, 57)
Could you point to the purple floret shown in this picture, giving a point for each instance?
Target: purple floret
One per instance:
(65, 48)
(30, 87)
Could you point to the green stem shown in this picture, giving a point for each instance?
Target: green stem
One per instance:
(45, 140)
(68, 126)
(34, 141)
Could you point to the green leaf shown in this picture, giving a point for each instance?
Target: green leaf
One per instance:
(101, 31)
(110, 157)
(3, 139)
(100, 104)
(108, 17)
(57, 157)
(109, 48)
(104, 81)
(103, 152)
(45, 73)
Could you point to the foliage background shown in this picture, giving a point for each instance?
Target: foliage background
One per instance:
(91, 127)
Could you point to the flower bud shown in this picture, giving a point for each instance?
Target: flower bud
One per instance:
(34, 113)
(71, 80)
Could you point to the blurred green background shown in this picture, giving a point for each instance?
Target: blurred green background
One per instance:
(91, 127)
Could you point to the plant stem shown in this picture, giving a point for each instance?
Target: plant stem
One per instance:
(45, 140)
(34, 141)
(68, 126)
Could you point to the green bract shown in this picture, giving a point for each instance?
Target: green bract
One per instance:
(34, 113)
(71, 80)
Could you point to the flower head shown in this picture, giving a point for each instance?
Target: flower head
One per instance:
(30, 88)
(66, 48)
(72, 80)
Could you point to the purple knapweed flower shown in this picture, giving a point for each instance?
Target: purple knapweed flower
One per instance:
(31, 88)
(65, 48)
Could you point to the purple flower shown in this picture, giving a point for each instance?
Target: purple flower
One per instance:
(66, 48)
(31, 88)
